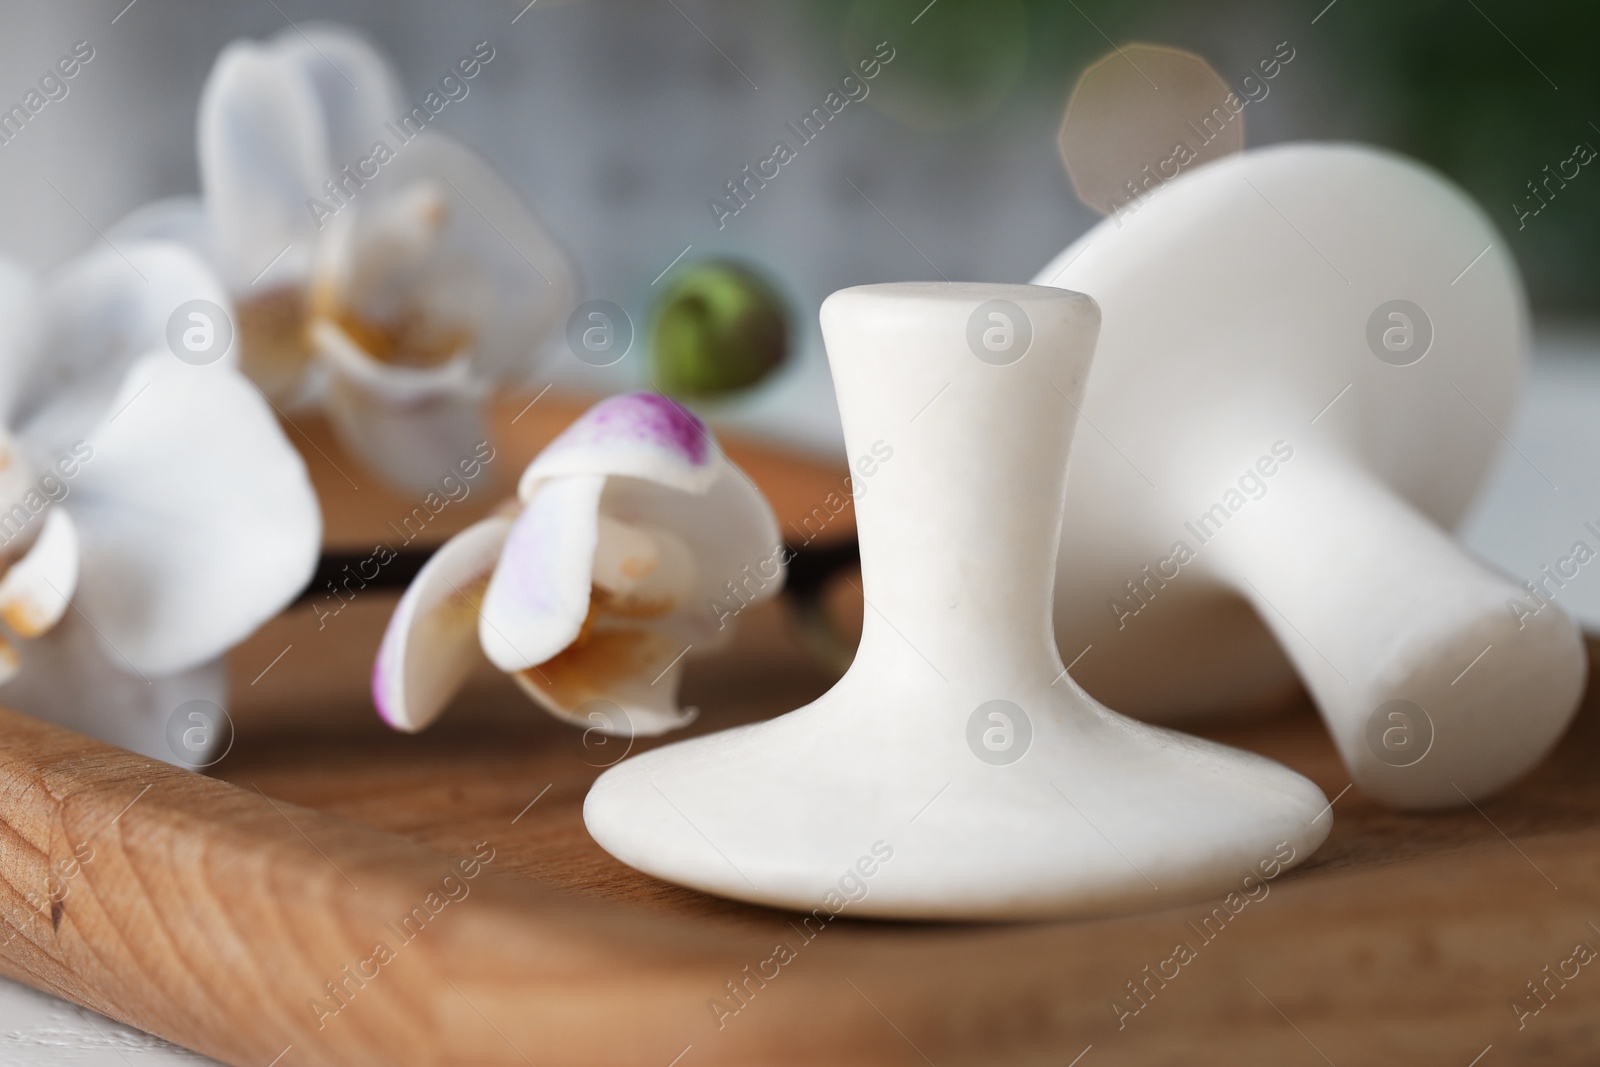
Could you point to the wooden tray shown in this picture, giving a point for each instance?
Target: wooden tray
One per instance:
(237, 914)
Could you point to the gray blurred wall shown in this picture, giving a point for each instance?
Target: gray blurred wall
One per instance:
(618, 120)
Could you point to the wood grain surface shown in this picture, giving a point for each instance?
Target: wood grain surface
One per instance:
(237, 914)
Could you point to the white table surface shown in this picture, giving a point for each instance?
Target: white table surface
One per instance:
(38, 1030)
(1544, 490)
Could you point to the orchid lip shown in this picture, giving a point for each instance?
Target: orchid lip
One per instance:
(397, 381)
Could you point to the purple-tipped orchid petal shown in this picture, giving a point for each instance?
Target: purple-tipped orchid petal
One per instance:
(633, 534)
(638, 435)
(430, 645)
(538, 598)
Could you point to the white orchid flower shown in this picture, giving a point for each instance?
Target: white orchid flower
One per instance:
(636, 542)
(378, 267)
(152, 514)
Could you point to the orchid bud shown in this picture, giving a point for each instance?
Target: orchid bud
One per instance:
(718, 329)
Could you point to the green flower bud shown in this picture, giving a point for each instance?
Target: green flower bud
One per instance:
(717, 329)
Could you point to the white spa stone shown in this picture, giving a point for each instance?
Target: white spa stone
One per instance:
(1318, 347)
(956, 772)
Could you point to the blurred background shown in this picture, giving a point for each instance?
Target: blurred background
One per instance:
(622, 120)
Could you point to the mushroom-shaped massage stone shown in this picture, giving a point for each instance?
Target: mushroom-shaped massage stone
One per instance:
(956, 771)
(1308, 356)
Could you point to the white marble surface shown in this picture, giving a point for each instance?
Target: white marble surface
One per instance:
(38, 1030)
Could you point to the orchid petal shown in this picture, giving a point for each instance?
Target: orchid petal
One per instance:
(197, 519)
(36, 591)
(639, 435)
(385, 275)
(356, 89)
(669, 472)
(431, 644)
(21, 500)
(107, 309)
(641, 563)
(731, 534)
(538, 598)
(621, 681)
(621, 671)
(410, 424)
(487, 269)
(263, 153)
(116, 302)
(71, 679)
